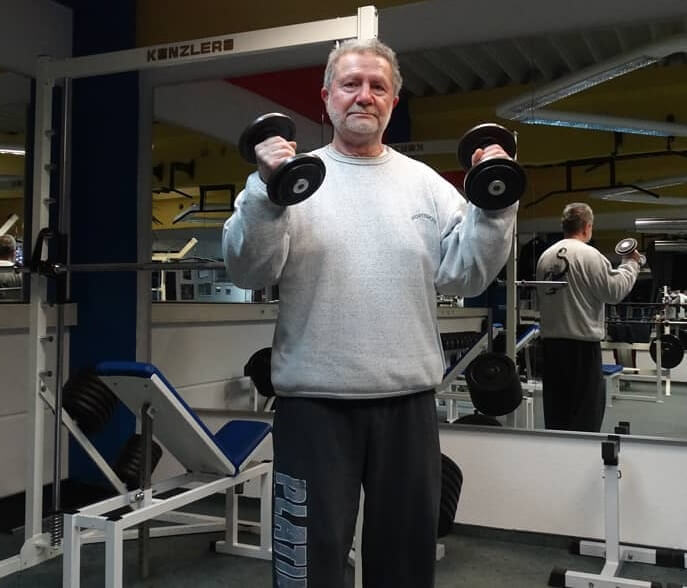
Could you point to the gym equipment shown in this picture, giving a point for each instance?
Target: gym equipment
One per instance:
(451, 484)
(494, 384)
(88, 401)
(614, 552)
(496, 182)
(213, 463)
(627, 246)
(131, 460)
(478, 419)
(295, 179)
(259, 369)
(672, 351)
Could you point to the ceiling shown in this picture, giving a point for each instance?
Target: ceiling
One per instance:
(526, 59)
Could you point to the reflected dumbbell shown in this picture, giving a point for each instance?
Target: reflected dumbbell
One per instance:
(296, 178)
(496, 182)
(627, 246)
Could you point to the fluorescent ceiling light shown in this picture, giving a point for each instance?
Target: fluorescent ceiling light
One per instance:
(527, 108)
(12, 150)
(633, 194)
(670, 246)
(596, 122)
(588, 78)
(661, 225)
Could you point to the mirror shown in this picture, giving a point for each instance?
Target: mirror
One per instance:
(15, 96)
(622, 175)
(447, 91)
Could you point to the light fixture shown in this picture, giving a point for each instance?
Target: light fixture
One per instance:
(12, 150)
(670, 246)
(661, 225)
(637, 192)
(528, 108)
(596, 122)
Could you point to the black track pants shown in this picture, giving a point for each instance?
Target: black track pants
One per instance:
(323, 450)
(574, 393)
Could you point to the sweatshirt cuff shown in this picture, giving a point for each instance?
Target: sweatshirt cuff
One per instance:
(256, 191)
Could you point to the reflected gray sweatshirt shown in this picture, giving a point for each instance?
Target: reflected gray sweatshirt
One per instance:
(576, 311)
(358, 266)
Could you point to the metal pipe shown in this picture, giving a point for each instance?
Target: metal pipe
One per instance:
(59, 327)
(61, 268)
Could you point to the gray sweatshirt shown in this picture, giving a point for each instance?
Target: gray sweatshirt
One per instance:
(576, 311)
(358, 266)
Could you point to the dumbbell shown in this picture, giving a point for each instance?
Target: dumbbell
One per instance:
(626, 246)
(496, 182)
(297, 177)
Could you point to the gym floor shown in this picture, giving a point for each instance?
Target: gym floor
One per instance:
(475, 557)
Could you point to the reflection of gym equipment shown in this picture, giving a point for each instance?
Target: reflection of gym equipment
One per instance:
(161, 289)
(628, 246)
(664, 348)
(213, 463)
(487, 383)
(614, 553)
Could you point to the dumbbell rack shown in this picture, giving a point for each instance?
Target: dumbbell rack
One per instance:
(615, 553)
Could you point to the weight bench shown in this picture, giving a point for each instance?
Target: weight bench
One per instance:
(214, 463)
(611, 374)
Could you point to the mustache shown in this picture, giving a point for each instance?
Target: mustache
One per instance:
(358, 110)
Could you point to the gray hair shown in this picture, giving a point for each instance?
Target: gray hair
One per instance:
(364, 46)
(8, 246)
(576, 216)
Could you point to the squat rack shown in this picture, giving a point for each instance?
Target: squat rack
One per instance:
(44, 383)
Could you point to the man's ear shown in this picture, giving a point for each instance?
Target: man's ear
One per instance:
(324, 93)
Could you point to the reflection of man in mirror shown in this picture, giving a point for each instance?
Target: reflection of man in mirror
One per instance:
(10, 282)
(573, 322)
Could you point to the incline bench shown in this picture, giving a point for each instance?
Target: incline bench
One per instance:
(214, 463)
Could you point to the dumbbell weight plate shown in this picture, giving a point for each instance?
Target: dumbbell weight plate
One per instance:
(626, 246)
(482, 135)
(495, 183)
(672, 351)
(295, 179)
(273, 124)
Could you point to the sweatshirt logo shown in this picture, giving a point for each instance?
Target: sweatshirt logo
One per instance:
(558, 270)
(424, 216)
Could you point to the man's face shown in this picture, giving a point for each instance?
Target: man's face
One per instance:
(361, 97)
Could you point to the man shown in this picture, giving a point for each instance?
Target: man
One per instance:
(10, 282)
(356, 349)
(573, 321)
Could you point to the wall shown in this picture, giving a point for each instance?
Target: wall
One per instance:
(552, 484)
(30, 28)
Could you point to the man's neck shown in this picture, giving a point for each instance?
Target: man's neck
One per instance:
(357, 150)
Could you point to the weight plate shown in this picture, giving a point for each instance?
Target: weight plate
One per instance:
(672, 351)
(481, 136)
(273, 124)
(493, 384)
(296, 179)
(478, 419)
(626, 246)
(495, 184)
